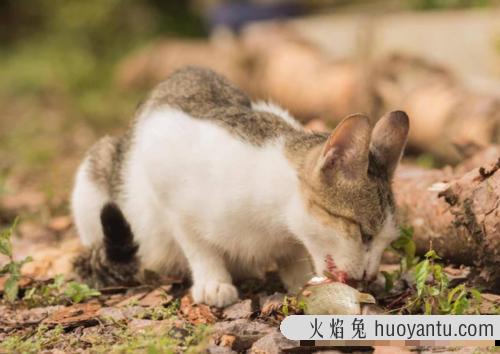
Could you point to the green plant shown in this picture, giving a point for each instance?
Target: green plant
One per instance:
(292, 306)
(40, 294)
(12, 267)
(57, 293)
(433, 294)
(78, 292)
(161, 312)
(45, 294)
(405, 248)
(447, 4)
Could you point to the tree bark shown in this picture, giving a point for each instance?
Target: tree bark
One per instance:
(456, 212)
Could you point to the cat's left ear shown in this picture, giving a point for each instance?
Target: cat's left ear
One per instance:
(345, 153)
(389, 139)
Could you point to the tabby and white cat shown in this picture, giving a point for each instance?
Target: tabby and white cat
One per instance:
(209, 185)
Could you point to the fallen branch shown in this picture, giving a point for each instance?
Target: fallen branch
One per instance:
(458, 213)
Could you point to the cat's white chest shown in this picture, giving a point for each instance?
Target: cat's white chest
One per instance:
(191, 178)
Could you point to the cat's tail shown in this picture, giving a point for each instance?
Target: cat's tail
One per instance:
(114, 262)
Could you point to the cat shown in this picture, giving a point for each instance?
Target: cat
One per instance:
(208, 185)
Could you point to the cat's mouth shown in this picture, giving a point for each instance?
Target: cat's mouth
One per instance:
(336, 275)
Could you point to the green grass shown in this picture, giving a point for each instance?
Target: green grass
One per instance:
(124, 341)
(116, 338)
(42, 338)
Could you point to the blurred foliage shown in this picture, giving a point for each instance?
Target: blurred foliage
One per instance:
(446, 4)
(405, 4)
(426, 161)
(71, 46)
(57, 63)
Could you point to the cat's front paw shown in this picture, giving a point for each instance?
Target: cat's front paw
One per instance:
(215, 294)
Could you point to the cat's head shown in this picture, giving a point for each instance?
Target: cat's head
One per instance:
(346, 192)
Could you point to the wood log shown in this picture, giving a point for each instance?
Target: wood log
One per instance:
(456, 212)
(444, 111)
(300, 76)
(147, 67)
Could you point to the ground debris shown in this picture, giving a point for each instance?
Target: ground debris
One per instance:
(196, 313)
(227, 340)
(216, 349)
(131, 300)
(11, 319)
(74, 316)
(241, 309)
(273, 343)
(246, 332)
(23, 201)
(454, 350)
(120, 313)
(490, 304)
(270, 304)
(157, 297)
(60, 223)
(49, 260)
(390, 350)
(141, 325)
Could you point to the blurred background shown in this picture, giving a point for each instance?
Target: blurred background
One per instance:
(72, 71)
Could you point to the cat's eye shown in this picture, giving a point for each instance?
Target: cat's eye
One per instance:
(366, 238)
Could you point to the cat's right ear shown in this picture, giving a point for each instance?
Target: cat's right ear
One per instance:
(389, 139)
(346, 150)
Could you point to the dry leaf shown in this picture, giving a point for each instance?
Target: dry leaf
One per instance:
(196, 313)
(157, 297)
(51, 260)
(272, 303)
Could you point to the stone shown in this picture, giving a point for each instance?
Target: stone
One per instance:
(273, 343)
(242, 309)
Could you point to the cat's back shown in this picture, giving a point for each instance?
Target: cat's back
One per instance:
(197, 91)
(205, 95)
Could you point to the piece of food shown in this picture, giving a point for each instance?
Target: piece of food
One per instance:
(322, 296)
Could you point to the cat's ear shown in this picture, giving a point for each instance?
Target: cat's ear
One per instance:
(346, 150)
(388, 141)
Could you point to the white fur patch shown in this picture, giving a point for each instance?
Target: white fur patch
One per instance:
(276, 110)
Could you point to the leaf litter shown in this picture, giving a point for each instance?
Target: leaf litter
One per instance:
(55, 312)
